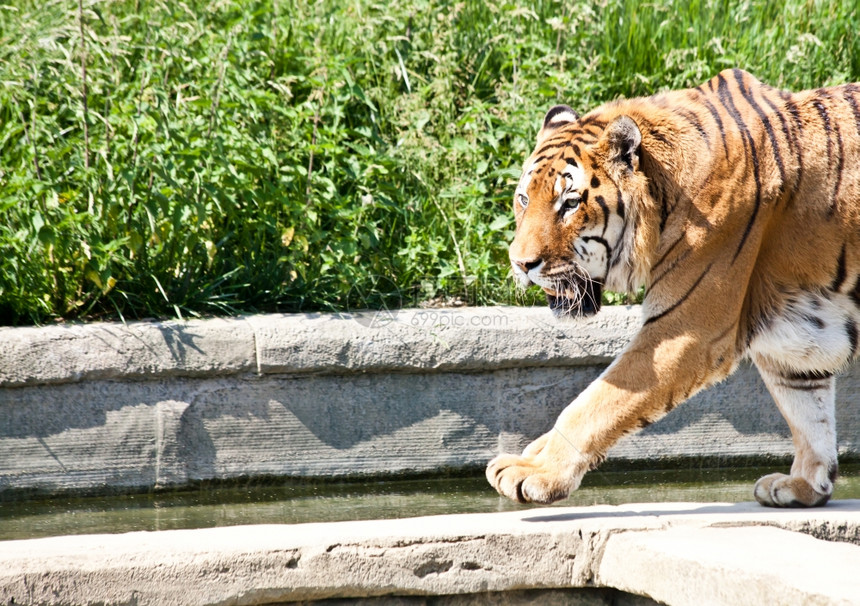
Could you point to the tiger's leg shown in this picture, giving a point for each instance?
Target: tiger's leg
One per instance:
(643, 384)
(808, 404)
(797, 355)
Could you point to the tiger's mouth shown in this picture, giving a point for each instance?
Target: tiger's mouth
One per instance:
(582, 298)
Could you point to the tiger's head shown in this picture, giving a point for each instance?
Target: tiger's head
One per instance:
(579, 208)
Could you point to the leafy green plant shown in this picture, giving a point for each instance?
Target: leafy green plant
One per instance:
(170, 159)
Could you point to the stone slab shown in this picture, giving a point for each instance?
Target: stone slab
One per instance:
(459, 555)
(732, 565)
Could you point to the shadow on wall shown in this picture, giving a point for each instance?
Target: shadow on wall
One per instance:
(171, 431)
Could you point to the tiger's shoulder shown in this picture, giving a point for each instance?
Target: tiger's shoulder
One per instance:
(785, 145)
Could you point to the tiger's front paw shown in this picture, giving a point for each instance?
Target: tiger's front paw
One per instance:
(525, 481)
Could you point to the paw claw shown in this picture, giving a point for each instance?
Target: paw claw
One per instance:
(521, 498)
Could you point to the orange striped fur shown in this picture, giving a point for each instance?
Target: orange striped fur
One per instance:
(737, 207)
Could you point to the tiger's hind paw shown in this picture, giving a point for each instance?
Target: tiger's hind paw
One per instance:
(780, 490)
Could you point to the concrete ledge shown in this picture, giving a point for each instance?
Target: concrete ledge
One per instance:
(80, 352)
(462, 339)
(677, 554)
(109, 407)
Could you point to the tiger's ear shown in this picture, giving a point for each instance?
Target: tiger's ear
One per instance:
(558, 116)
(622, 139)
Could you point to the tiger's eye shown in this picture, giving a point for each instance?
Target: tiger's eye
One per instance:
(570, 205)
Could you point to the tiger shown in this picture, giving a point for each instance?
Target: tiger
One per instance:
(736, 207)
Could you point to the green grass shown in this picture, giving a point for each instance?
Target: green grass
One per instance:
(233, 156)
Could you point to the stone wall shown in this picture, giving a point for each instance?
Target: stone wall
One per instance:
(101, 408)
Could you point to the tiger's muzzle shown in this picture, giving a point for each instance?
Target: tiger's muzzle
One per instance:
(581, 298)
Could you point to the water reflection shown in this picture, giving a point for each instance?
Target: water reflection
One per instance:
(297, 503)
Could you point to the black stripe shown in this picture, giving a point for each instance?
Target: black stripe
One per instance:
(655, 188)
(557, 142)
(851, 331)
(839, 278)
(797, 133)
(748, 95)
(592, 120)
(693, 119)
(680, 301)
(835, 195)
(790, 141)
(725, 97)
(825, 118)
(803, 386)
(670, 404)
(719, 121)
(672, 266)
(815, 321)
(554, 144)
(855, 292)
(794, 112)
(599, 240)
(807, 375)
(619, 203)
(605, 244)
(559, 109)
(602, 203)
(833, 472)
(848, 93)
(618, 253)
(659, 136)
(652, 130)
(669, 250)
(828, 130)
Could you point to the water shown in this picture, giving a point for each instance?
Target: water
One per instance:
(329, 502)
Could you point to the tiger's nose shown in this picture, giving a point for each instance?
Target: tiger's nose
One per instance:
(527, 265)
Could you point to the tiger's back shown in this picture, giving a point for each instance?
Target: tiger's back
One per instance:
(776, 174)
(737, 207)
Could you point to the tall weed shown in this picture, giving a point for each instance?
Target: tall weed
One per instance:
(169, 159)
